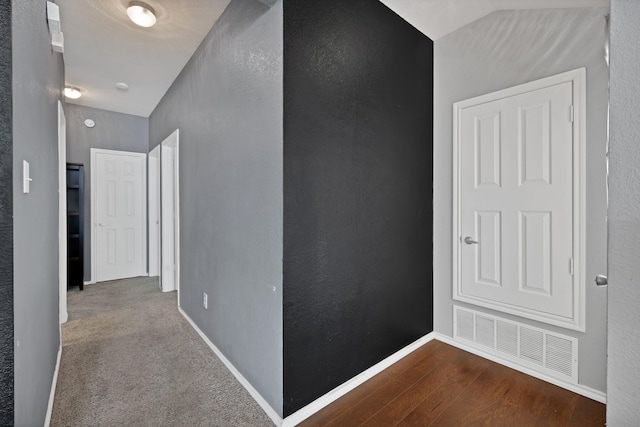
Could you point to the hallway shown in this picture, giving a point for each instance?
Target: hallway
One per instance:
(130, 358)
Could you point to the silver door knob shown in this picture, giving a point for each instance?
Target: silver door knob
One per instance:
(469, 241)
(601, 280)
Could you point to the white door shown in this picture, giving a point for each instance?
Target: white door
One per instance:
(516, 202)
(170, 222)
(62, 213)
(154, 212)
(118, 183)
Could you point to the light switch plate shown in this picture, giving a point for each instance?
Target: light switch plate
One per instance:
(26, 180)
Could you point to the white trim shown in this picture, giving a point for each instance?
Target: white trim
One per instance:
(172, 142)
(328, 398)
(344, 388)
(143, 197)
(578, 79)
(54, 382)
(153, 183)
(62, 215)
(580, 389)
(245, 383)
(90, 282)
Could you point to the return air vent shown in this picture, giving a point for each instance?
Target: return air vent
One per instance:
(547, 352)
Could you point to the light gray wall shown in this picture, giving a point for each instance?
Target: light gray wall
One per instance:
(38, 77)
(227, 103)
(113, 131)
(504, 49)
(623, 382)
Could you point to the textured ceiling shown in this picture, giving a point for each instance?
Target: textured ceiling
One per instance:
(436, 18)
(103, 47)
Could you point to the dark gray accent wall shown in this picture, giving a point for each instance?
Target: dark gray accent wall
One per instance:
(227, 103)
(6, 220)
(501, 50)
(358, 84)
(623, 374)
(38, 77)
(113, 131)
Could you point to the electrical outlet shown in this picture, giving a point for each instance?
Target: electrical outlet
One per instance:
(204, 301)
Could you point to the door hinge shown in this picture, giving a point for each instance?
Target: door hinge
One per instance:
(571, 113)
(571, 266)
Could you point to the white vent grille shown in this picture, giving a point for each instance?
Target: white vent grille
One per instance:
(484, 331)
(544, 351)
(507, 338)
(531, 345)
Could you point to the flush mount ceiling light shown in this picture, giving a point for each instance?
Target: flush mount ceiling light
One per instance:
(141, 14)
(72, 92)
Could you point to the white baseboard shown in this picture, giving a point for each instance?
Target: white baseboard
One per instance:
(90, 282)
(576, 388)
(315, 406)
(52, 394)
(246, 384)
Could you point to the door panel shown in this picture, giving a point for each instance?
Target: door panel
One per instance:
(489, 253)
(515, 200)
(120, 214)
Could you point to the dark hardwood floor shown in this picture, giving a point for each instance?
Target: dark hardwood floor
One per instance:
(440, 385)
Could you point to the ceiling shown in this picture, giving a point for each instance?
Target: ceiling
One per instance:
(103, 47)
(437, 18)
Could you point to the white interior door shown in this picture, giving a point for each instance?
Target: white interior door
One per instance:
(154, 212)
(62, 213)
(170, 221)
(118, 194)
(516, 202)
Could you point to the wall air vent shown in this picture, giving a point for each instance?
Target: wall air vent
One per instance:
(547, 352)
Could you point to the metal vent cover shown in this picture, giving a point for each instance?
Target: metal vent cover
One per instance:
(544, 351)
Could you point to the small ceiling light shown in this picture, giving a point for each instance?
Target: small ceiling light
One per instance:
(141, 14)
(72, 92)
(122, 87)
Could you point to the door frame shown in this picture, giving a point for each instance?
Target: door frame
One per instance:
(62, 214)
(154, 245)
(172, 142)
(94, 199)
(578, 79)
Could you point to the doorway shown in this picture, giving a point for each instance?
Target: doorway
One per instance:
(62, 213)
(519, 204)
(118, 214)
(170, 217)
(154, 213)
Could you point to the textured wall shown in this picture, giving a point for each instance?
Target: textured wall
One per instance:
(38, 77)
(113, 131)
(6, 221)
(502, 50)
(623, 379)
(357, 183)
(227, 103)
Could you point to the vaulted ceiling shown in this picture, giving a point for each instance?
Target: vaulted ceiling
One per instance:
(103, 47)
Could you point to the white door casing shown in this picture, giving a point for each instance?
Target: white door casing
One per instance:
(519, 193)
(170, 218)
(62, 213)
(154, 212)
(118, 214)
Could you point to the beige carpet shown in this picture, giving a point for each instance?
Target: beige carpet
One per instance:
(129, 358)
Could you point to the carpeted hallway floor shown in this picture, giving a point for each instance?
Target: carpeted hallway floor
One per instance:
(129, 358)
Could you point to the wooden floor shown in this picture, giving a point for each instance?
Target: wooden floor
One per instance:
(440, 385)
